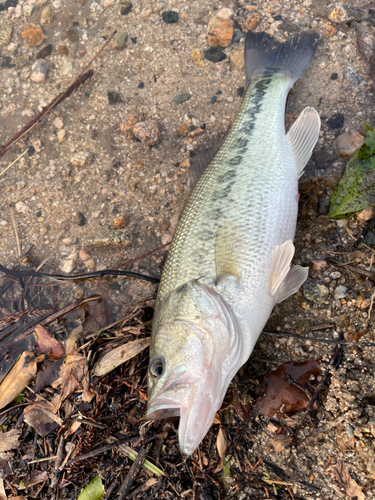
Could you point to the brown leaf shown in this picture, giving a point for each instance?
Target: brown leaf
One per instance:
(243, 410)
(32, 478)
(45, 342)
(117, 356)
(9, 440)
(18, 378)
(282, 398)
(222, 442)
(217, 419)
(71, 374)
(42, 417)
(342, 475)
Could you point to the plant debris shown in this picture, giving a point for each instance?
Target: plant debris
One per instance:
(284, 390)
(356, 188)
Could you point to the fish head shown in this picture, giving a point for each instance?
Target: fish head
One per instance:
(188, 372)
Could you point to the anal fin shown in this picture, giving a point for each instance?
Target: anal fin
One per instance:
(285, 280)
(296, 276)
(303, 136)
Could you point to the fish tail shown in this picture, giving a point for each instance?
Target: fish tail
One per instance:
(265, 56)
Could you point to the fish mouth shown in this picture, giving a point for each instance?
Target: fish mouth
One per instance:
(172, 401)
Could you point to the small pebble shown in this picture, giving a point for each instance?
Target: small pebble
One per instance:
(84, 255)
(240, 91)
(121, 221)
(22, 208)
(334, 76)
(44, 52)
(215, 55)
(237, 60)
(82, 159)
(32, 35)
(61, 134)
(314, 292)
(338, 14)
(340, 292)
(67, 68)
(365, 214)
(39, 71)
(120, 41)
(125, 7)
(79, 219)
(170, 17)
(219, 32)
(147, 132)
(197, 57)
(28, 9)
(6, 29)
(63, 49)
(70, 262)
(213, 99)
(352, 76)
(336, 121)
(47, 15)
(58, 123)
(348, 143)
(252, 22)
(179, 99)
(319, 264)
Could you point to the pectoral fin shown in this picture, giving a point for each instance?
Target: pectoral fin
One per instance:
(285, 280)
(303, 136)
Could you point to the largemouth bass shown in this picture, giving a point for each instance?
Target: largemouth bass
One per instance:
(230, 259)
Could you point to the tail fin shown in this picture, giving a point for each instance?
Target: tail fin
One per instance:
(265, 56)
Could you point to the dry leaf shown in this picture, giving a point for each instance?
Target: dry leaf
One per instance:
(74, 335)
(5, 469)
(117, 356)
(32, 478)
(45, 342)
(71, 374)
(9, 440)
(41, 416)
(222, 442)
(217, 419)
(74, 426)
(279, 396)
(18, 377)
(3, 495)
(342, 475)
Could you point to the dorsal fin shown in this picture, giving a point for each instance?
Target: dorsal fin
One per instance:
(303, 136)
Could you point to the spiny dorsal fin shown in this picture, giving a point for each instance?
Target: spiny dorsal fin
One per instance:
(303, 136)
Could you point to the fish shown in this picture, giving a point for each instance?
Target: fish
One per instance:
(230, 258)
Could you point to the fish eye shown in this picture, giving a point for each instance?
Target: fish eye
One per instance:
(157, 367)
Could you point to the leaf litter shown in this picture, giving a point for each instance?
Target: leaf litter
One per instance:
(356, 188)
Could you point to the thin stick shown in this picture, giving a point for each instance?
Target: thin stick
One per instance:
(370, 309)
(42, 460)
(134, 469)
(96, 452)
(14, 224)
(97, 54)
(323, 341)
(59, 459)
(13, 162)
(74, 86)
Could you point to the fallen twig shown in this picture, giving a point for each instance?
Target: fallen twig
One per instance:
(14, 225)
(96, 452)
(64, 95)
(134, 469)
